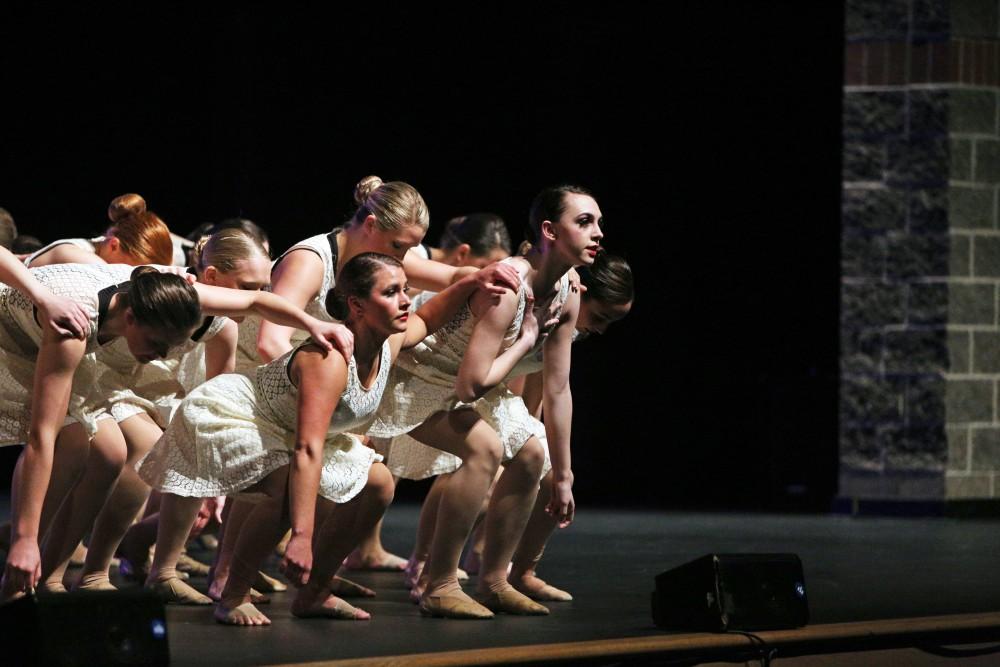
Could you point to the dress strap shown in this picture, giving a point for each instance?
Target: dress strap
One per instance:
(104, 299)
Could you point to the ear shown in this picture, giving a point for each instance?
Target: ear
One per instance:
(129, 317)
(548, 230)
(114, 244)
(210, 274)
(355, 306)
(462, 252)
(369, 223)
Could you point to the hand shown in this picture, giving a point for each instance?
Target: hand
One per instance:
(214, 506)
(24, 567)
(497, 278)
(201, 520)
(298, 559)
(575, 285)
(65, 316)
(330, 335)
(561, 506)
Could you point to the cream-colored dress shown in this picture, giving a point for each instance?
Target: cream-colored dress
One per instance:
(423, 382)
(233, 431)
(126, 388)
(90, 245)
(324, 245)
(91, 286)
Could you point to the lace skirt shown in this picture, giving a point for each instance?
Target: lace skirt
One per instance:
(411, 400)
(218, 443)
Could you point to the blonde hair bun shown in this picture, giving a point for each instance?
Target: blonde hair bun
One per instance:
(365, 187)
(126, 205)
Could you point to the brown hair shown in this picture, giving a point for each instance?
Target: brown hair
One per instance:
(143, 236)
(224, 249)
(482, 232)
(394, 204)
(8, 230)
(608, 280)
(356, 279)
(550, 204)
(163, 301)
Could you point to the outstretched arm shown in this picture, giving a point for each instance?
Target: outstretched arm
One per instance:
(64, 315)
(58, 358)
(271, 307)
(321, 379)
(428, 274)
(298, 278)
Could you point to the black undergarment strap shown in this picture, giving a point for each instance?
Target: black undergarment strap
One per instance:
(200, 331)
(334, 251)
(104, 299)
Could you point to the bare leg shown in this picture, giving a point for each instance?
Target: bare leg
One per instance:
(465, 435)
(105, 460)
(176, 516)
(510, 507)
(236, 512)
(529, 551)
(474, 555)
(425, 530)
(344, 526)
(260, 532)
(125, 503)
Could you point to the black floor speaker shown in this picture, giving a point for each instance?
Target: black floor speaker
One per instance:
(126, 627)
(721, 592)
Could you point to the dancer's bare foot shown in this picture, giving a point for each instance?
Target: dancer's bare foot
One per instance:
(503, 598)
(196, 568)
(411, 573)
(349, 589)
(418, 588)
(51, 588)
(376, 561)
(95, 581)
(244, 614)
(537, 589)
(310, 603)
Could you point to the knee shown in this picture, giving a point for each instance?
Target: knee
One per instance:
(380, 484)
(485, 454)
(531, 459)
(107, 456)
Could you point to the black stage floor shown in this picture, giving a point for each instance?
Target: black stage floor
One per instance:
(855, 568)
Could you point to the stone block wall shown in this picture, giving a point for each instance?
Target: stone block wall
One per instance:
(920, 330)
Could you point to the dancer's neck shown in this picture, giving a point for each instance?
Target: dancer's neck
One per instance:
(546, 269)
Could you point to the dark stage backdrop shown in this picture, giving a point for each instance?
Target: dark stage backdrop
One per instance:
(708, 131)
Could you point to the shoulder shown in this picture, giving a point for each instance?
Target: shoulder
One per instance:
(313, 363)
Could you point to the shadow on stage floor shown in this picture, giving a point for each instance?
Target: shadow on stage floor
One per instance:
(856, 569)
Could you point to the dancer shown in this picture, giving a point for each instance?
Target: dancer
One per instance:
(285, 435)
(141, 398)
(449, 394)
(136, 236)
(478, 239)
(391, 218)
(53, 375)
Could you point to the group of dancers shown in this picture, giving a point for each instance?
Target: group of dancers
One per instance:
(154, 380)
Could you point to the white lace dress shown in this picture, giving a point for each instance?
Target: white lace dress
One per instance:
(423, 382)
(324, 245)
(126, 388)
(90, 245)
(91, 286)
(232, 431)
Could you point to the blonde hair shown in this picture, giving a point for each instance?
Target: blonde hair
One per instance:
(225, 249)
(141, 233)
(395, 204)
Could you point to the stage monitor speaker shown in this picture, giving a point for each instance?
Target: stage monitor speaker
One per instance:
(127, 627)
(720, 592)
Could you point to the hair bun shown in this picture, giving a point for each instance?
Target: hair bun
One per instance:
(126, 205)
(140, 271)
(365, 187)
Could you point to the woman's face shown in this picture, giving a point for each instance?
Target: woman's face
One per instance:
(596, 316)
(147, 343)
(252, 274)
(578, 231)
(392, 242)
(460, 256)
(387, 307)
